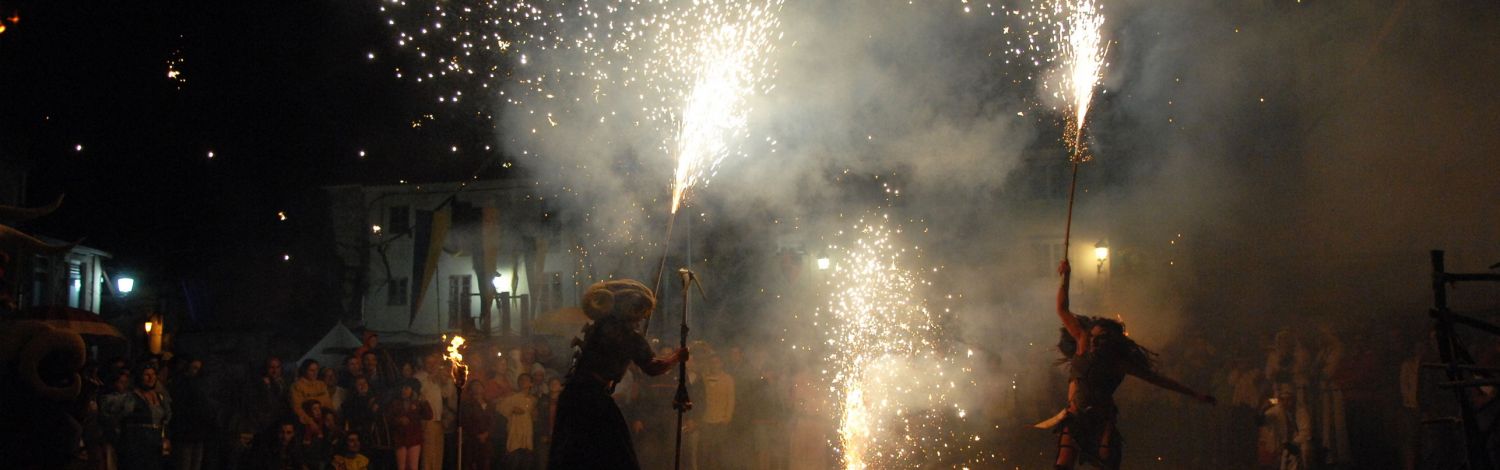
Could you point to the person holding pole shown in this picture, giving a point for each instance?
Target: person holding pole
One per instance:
(590, 432)
(1098, 356)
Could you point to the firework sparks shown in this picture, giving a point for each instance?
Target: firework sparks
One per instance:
(729, 62)
(897, 389)
(1083, 53)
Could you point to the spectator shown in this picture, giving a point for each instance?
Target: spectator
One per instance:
(336, 393)
(549, 421)
(407, 413)
(360, 409)
(309, 387)
(270, 396)
(1291, 424)
(478, 423)
(376, 372)
(437, 391)
(519, 409)
(316, 435)
(496, 389)
(353, 368)
(280, 451)
(350, 458)
(195, 416)
(718, 413)
(143, 413)
(1333, 435)
(119, 391)
(92, 425)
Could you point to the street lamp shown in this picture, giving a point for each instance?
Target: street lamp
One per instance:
(149, 326)
(1101, 253)
(125, 285)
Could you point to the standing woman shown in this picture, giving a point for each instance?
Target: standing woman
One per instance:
(591, 433)
(406, 413)
(143, 414)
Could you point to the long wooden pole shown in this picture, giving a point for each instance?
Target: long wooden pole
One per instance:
(661, 267)
(1068, 230)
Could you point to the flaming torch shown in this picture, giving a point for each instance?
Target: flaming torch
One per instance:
(460, 373)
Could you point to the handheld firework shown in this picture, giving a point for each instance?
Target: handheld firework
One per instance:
(1083, 58)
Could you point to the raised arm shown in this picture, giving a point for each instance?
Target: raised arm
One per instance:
(1154, 378)
(1069, 321)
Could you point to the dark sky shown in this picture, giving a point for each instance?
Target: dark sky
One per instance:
(282, 93)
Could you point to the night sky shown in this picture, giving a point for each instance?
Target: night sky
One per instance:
(283, 94)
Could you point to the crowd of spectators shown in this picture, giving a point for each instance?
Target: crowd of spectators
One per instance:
(1311, 398)
(371, 411)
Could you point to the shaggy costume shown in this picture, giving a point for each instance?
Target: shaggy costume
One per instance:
(1091, 416)
(590, 432)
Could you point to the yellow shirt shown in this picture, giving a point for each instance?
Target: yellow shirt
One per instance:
(357, 462)
(304, 390)
(719, 404)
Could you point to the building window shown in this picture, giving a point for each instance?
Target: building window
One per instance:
(75, 284)
(1047, 255)
(399, 220)
(1047, 181)
(396, 292)
(460, 298)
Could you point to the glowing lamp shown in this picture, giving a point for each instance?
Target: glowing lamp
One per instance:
(125, 285)
(823, 263)
(496, 282)
(375, 229)
(149, 326)
(1101, 253)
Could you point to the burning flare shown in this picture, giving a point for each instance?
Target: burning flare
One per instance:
(455, 358)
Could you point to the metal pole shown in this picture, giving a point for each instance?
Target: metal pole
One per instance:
(682, 402)
(1479, 458)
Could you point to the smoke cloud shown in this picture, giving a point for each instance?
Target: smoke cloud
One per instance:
(1259, 165)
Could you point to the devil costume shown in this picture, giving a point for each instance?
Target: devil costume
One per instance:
(1090, 419)
(590, 431)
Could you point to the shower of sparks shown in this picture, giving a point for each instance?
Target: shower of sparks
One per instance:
(174, 68)
(667, 81)
(897, 385)
(1083, 52)
(728, 62)
(1065, 36)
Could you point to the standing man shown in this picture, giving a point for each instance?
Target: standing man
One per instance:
(437, 391)
(718, 415)
(194, 407)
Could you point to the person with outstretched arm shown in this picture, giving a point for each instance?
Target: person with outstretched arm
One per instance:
(1098, 356)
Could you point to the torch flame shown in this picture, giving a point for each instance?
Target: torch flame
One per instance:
(455, 357)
